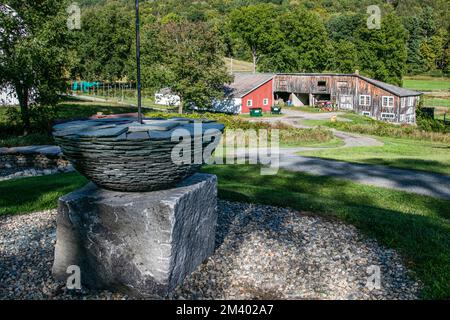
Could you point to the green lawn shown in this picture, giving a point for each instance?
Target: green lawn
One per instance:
(400, 153)
(333, 143)
(437, 102)
(307, 109)
(424, 83)
(417, 226)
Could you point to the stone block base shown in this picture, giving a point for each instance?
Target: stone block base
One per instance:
(143, 244)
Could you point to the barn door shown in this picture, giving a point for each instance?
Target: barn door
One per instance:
(346, 102)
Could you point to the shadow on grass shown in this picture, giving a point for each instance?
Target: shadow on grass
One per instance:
(408, 163)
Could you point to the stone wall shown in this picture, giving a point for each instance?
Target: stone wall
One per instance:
(41, 157)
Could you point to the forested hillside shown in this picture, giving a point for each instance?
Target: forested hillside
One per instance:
(279, 36)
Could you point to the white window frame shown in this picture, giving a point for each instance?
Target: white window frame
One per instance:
(367, 113)
(410, 111)
(411, 119)
(403, 102)
(250, 103)
(266, 101)
(388, 115)
(365, 100)
(410, 102)
(388, 99)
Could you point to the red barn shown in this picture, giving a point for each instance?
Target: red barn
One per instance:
(249, 90)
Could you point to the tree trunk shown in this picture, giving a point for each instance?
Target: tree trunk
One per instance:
(22, 94)
(255, 60)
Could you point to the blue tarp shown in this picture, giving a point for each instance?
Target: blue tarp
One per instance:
(84, 86)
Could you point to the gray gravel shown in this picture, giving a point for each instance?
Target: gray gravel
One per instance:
(262, 253)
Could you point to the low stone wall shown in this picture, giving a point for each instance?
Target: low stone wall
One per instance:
(38, 157)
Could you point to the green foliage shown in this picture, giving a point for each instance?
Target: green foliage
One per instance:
(257, 27)
(105, 42)
(382, 52)
(34, 53)
(429, 124)
(190, 62)
(368, 126)
(345, 57)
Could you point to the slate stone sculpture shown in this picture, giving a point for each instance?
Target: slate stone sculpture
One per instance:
(121, 154)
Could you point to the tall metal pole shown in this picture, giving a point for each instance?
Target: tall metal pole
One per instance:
(138, 62)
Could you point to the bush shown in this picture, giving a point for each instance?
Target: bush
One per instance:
(288, 134)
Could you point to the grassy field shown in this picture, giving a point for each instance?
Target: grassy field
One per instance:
(417, 226)
(238, 65)
(364, 125)
(131, 101)
(399, 153)
(437, 102)
(427, 83)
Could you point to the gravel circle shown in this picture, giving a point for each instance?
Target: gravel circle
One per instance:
(262, 252)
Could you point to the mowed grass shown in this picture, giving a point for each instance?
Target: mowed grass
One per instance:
(426, 83)
(417, 226)
(437, 102)
(36, 193)
(238, 65)
(399, 153)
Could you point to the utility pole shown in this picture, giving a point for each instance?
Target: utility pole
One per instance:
(138, 63)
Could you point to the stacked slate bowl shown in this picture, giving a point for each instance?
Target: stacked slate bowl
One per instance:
(121, 154)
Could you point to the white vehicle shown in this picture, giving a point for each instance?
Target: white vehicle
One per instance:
(166, 97)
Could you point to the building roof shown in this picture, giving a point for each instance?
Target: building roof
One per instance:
(398, 91)
(244, 83)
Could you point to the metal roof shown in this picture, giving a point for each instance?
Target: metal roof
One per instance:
(244, 83)
(398, 91)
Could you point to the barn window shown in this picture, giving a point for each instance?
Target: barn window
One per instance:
(403, 102)
(410, 101)
(266, 102)
(322, 83)
(388, 102)
(388, 116)
(249, 103)
(365, 100)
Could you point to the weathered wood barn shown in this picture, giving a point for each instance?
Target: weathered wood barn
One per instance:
(366, 96)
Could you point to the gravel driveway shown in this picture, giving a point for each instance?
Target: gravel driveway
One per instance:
(262, 253)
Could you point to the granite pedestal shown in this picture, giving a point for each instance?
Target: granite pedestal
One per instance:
(143, 244)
